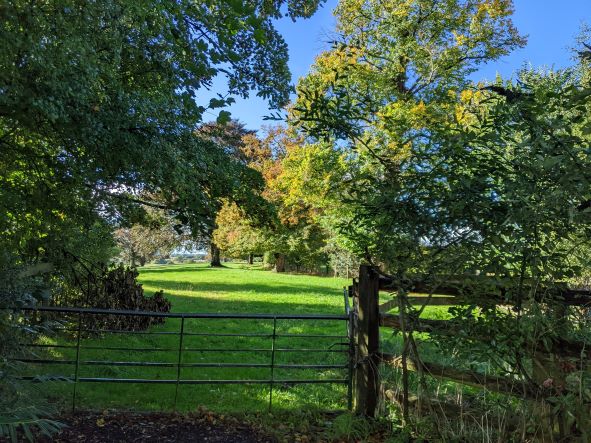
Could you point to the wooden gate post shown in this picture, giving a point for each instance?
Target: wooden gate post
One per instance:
(366, 378)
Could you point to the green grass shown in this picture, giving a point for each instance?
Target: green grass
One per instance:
(233, 289)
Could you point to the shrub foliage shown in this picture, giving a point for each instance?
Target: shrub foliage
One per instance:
(117, 288)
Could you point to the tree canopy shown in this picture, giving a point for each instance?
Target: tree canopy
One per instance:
(99, 106)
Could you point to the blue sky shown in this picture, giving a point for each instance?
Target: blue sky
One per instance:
(551, 27)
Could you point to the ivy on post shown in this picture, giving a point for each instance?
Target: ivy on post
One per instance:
(366, 379)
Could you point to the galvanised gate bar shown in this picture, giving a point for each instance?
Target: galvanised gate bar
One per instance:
(73, 317)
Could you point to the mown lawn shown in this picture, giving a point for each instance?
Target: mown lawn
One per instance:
(232, 289)
(236, 288)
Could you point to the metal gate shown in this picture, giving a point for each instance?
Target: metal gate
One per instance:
(73, 343)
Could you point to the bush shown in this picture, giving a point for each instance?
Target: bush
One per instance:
(21, 409)
(118, 289)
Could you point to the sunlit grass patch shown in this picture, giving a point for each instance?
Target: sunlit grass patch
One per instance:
(233, 289)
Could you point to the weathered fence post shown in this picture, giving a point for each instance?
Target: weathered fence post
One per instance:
(366, 379)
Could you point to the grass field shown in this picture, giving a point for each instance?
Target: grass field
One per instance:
(232, 289)
(246, 289)
(235, 288)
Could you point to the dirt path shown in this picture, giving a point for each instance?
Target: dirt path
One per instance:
(154, 427)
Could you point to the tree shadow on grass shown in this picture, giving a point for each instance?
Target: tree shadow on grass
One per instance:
(263, 307)
(202, 301)
(159, 269)
(259, 288)
(191, 267)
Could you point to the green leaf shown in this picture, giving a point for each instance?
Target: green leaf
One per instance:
(223, 117)
(550, 162)
(260, 35)
(216, 103)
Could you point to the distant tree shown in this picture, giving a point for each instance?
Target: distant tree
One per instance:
(291, 237)
(156, 236)
(236, 235)
(314, 179)
(229, 137)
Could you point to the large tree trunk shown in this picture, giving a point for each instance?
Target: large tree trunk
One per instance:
(279, 262)
(250, 259)
(214, 251)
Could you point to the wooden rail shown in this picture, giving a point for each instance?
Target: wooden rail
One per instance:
(424, 325)
(560, 346)
(493, 294)
(420, 300)
(369, 315)
(470, 378)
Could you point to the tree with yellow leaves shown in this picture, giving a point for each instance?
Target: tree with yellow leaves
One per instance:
(396, 76)
(293, 238)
